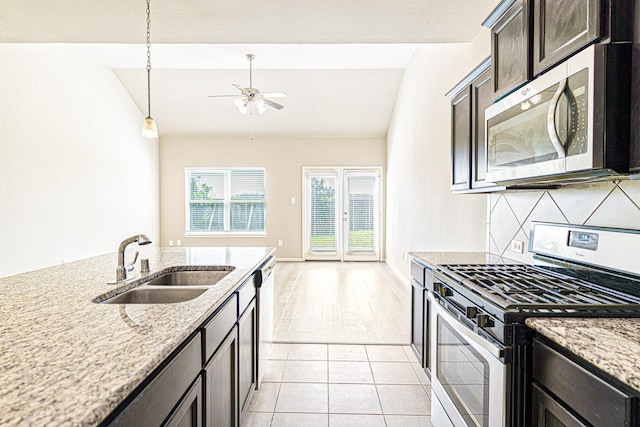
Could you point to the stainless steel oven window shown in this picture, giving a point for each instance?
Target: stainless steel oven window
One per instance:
(464, 375)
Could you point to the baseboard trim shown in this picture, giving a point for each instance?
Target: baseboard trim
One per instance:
(404, 279)
(289, 259)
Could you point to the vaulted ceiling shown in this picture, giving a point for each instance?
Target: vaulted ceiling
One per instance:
(340, 62)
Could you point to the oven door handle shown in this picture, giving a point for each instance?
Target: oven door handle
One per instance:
(551, 120)
(496, 351)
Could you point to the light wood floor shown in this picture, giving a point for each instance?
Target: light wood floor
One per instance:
(342, 303)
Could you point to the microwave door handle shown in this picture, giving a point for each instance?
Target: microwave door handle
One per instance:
(551, 120)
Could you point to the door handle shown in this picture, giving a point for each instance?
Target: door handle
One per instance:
(551, 120)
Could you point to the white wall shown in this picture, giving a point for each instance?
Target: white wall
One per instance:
(422, 214)
(75, 175)
(283, 159)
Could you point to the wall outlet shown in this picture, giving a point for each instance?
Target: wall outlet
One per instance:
(179, 242)
(279, 242)
(517, 246)
(170, 242)
(293, 200)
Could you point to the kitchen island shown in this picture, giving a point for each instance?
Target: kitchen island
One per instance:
(67, 360)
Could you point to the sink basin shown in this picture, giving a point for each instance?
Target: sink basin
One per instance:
(192, 278)
(149, 295)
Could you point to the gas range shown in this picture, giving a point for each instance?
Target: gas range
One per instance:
(478, 338)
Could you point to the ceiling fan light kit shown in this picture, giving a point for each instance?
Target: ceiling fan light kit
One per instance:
(149, 128)
(251, 99)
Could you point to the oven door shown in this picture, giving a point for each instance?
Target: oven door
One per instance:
(468, 376)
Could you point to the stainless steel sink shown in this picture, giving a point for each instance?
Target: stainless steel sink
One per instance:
(192, 278)
(151, 295)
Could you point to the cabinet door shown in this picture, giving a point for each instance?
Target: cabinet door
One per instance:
(549, 413)
(417, 320)
(461, 140)
(510, 49)
(189, 411)
(221, 384)
(561, 28)
(481, 95)
(247, 355)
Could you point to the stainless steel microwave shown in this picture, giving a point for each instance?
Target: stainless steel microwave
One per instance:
(570, 123)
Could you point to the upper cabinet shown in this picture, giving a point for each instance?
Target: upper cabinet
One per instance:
(469, 99)
(562, 28)
(530, 36)
(510, 49)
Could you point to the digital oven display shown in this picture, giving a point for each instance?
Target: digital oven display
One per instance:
(583, 240)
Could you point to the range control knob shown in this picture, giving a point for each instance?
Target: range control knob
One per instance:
(484, 321)
(445, 292)
(471, 312)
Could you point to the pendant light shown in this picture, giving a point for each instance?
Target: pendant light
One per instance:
(149, 129)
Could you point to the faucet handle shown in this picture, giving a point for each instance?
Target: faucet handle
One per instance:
(131, 266)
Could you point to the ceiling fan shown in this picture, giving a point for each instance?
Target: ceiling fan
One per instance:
(251, 99)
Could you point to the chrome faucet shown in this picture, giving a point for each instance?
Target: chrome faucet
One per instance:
(121, 271)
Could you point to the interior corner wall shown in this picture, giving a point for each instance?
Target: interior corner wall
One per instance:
(283, 158)
(76, 177)
(422, 213)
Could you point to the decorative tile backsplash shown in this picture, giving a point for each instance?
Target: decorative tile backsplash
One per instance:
(610, 204)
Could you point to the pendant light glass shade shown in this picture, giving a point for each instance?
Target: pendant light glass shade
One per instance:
(149, 129)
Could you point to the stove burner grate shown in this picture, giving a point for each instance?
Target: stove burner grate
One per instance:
(527, 287)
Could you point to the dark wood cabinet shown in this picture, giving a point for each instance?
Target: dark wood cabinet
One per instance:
(561, 28)
(530, 36)
(510, 49)
(569, 392)
(221, 384)
(481, 96)
(247, 355)
(469, 99)
(189, 411)
(461, 140)
(420, 314)
(160, 398)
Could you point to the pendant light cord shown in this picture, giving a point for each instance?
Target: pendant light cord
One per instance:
(148, 58)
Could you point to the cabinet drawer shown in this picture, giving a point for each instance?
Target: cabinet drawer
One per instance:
(158, 399)
(246, 293)
(599, 403)
(219, 326)
(417, 272)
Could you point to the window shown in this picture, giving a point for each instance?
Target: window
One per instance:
(225, 200)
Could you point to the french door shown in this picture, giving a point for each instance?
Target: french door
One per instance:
(342, 213)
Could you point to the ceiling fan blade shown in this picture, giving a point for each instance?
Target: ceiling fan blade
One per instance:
(274, 94)
(223, 96)
(240, 88)
(272, 104)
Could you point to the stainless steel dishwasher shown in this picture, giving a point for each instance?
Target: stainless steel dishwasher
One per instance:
(264, 282)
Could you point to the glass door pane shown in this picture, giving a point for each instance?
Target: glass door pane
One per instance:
(322, 215)
(361, 214)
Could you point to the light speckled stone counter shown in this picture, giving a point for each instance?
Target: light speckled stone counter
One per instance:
(65, 360)
(612, 345)
(432, 259)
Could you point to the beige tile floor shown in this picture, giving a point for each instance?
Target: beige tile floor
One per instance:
(335, 385)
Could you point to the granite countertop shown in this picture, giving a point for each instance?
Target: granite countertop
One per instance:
(432, 259)
(612, 345)
(67, 360)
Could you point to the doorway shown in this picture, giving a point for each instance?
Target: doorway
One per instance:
(342, 213)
